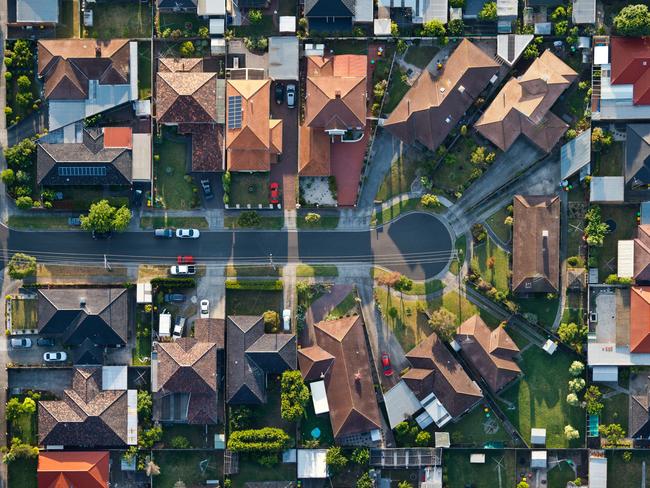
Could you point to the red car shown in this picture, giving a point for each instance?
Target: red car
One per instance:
(274, 194)
(185, 259)
(385, 363)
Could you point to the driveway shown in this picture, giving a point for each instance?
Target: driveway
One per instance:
(54, 380)
(286, 169)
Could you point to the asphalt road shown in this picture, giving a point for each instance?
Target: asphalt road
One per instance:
(416, 244)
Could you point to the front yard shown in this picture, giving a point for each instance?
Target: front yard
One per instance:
(399, 178)
(252, 302)
(175, 190)
(193, 468)
(24, 314)
(476, 429)
(119, 19)
(249, 189)
(627, 474)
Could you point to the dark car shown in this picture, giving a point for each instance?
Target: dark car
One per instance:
(174, 297)
(163, 233)
(207, 189)
(102, 235)
(385, 364)
(279, 93)
(45, 342)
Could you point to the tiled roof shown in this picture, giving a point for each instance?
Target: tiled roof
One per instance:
(329, 8)
(523, 105)
(314, 362)
(640, 319)
(630, 57)
(121, 137)
(314, 157)
(536, 244)
(186, 97)
(207, 146)
(180, 64)
(642, 254)
(637, 154)
(87, 469)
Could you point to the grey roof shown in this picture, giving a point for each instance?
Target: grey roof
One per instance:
(645, 213)
(576, 154)
(283, 58)
(584, 11)
(511, 46)
(637, 154)
(639, 418)
(329, 8)
(607, 189)
(37, 11)
(507, 8)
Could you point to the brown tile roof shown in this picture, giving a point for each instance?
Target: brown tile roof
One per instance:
(348, 382)
(86, 416)
(640, 319)
(420, 381)
(68, 64)
(314, 362)
(490, 352)
(256, 144)
(73, 469)
(523, 105)
(180, 64)
(642, 254)
(186, 97)
(451, 384)
(437, 101)
(536, 256)
(314, 157)
(207, 144)
(210, 330)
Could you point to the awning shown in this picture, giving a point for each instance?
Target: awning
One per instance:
(319, 397)
(605, 373)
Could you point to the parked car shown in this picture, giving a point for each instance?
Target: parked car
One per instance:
(174, 297)
(291, 95)
(163, 233)
(185, 259)
(385, 364)
(286, 320)
(179, 325)
(207, 189)
(55, 357)
(187, 233)
(182, 270)
(274, 193)
(45, 342)
(205, 309)
(102, 235)
(22, 343)
(279, 93)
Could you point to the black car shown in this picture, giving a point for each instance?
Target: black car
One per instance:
(163, 233)
(102, 235)
(279, 93)
(174, 297)
(45, 342)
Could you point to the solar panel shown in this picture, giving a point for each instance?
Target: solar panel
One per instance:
(82, 170)
(234, 112)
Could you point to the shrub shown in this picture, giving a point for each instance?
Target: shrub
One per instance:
(335, 460)
(572, 399)
(433, 28)
(456, 27)
(576, 262)
(488, 12)
(24, 202)
(592, 398)
(19, 450)
(576, 368)
(267, 439)
(180, 442)
(479, 233)
(8, 176)
(249, 218)
(614, 433)
(312, 218)
(423, 439)
(365, 481)
(361, 456)
(576, 385)
(172, 283)
(187, 49)
(271, 320)
(262, 285)
(24, 83)
(255, 16)
(430, 201)
(294, 396)
(571, 433)
(240, 417)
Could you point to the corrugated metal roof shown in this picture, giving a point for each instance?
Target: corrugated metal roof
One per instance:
(283, 58)
(400, 403)
(363, 10)
(607, 189)
(141, 157)
(37, 11)
(576, 154)
(584, 11)
(625, 264)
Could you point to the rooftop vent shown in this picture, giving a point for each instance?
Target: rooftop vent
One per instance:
(461, 89)
(82, 302)
(337, 94)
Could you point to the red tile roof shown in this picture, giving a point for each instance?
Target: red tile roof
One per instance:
(640, 319)
(631, 65)
(73, 469)
(118, 137)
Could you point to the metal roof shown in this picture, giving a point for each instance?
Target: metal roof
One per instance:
(607, 189)
(37, 11)
(283, 58)
(576, 154)
(584, 11)
(400, 403)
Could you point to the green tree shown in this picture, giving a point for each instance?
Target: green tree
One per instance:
(148, 437)
(523, 484)
(443, 323)
(601, 139)
(433, 28)
(24, 83)
(361, 456)
(21, 155)
(595, 229)
(365, 481)
(19, 450)
(335, 460)
(572, 334)
(24, 202)
(488, 12)
(456, 27)
(103, 217)
(404, 484)
(571, 433)
(558, 14)
(249, 218)
(21, 266)
(145, 407)
(572, 399)
(576, 368)
(560, 28)
(203, 32)
(430, 201)
(187, 49)
(23, 57)
(255, 16)
(294, 396)
(614, 433)
(8, 176)
(633, 20)
(403, 284)
(423, 439)
(394, 29)
(592, 398)
(271, 320)
(576, 385)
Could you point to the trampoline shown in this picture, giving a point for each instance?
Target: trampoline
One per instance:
(593, 424)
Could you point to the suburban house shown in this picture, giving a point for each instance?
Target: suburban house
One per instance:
(337, 15)
(439, 382)
(84, 77)
(416, 11)
(185, 375)
(253, 138)
(96, 412)
(490, 352)
(89, 319)
(33, 13)
(634, 256)
(536, 244)
(523, 106)
(99, 156)
(205, 7)
(639, 412)
(438, 100)
(637, 156)
(339, 357)
(177, 5)
(624, 84)
(89, 469)
(335, 107)
(186, 98)
(251, 354)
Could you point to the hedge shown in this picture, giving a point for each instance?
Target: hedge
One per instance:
(262, 285)
(167, 284)
(267, 439)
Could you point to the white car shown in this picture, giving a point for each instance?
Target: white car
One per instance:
(22, 343)
(187, 233)
(179, 326)
(182, 270)
(55, 357)
(286, 320)
(291, 95)
(205, 309)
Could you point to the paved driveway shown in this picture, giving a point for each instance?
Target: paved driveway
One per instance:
(48, 379)
(286, 169)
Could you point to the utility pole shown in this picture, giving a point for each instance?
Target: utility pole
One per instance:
(106, 264)
(271, 261)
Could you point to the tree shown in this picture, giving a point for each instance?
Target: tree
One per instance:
(509, 221)
(443, 323)
(488, 12)
(23, 57)
(8, 176)
(404, 484)
(403, 284)
(478, 232)
(478, 156)
(576, 368)
(523, 484)
(361, 456)
(19, 450)
(571, 433)
(394, 29)
(271, 320)
(145, 406)
(558, 14)
(572, 399)
(433, 28)
(596, 229)
(294, 396)
(249, 218)
(312, 218)
(388, 279)
(600, 138)
(423, 439)
(255, 16)
(364, 481)
(335, 460)
(633, 20)
(21, 266)
(22, 155)
(187, 49)
(456, 27)
(24, 83)
(531, 51)
(103, 217)
(614, 433)
(430, 201)
(572, 334)
(576, 385)
(560, 28)
(592, 398)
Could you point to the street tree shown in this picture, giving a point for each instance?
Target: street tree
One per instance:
(21, 266)
(103, 217)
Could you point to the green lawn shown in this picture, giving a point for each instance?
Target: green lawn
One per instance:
(454, 173)
(243, 271)
(250, 471)
(497, 472)
(461, 247)
(68, 26)
(544, 309)
(560, 475)
(24, 314)
(397, 88)
(172, 189)
(142, 349)
(420, 56)
(347, 305)
(120, 20)
(196, 434)
(574, 311)
(627, 474)
(249, 189)
(477, 429)
(193, 468)
(22, 473)
(252, 302)
(268, 415)
(231, 222)
(403, 206)
(539, 398)
(610, 161)
(79, 199)
(25, 427)
(326, 222)
(265, 28)
(615, 409)
(349, 47)
(625, 218)
(188, 23)
(312, 421)
(174, 222)
(308, 271)
(399, 178)
(494, 264)
(144, 69)
(495, 222)
(419, 287)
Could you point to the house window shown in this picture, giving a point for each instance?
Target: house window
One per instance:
(82, 170)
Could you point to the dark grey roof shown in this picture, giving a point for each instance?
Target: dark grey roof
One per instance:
(639, 420)
(88, 353)
(177, 4)
(274, 353)
(637, 153)
(98, 314)
(329, 8)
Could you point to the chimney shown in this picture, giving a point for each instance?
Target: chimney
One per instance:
(98, 52)
(357, 376)
(337, 94)
(82, 302)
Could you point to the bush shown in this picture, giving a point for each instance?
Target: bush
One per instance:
(249, 218)
(576, 385)
(423, 439)
(255, 16)
(294, 396)
(180, 442)
(8, 176)
(456, 27)
(571, 433)
(576, 262)
(19, 450)
(335, 460)
(430, 201)
(170, 284)
(24, 83)
(312, 218)
(361, 456)
(365, 481)
(479, 233)
(633, 20)
(433, 28)
(265, 440)
(187, 49)
(240, 417)
(616, 280)
(488, 12)
(271, 321)
(572, 399)
(262, 285)
(576, 368)
(24, 202)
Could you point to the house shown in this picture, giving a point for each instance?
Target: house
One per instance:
(439, 381)
(536, 244)
(99, 156)
(639, 413)
(186, 97)
(490, 352)
(252, 354)
(84, 77)
(640, 319)
(637, 156)
(90, 415)
(33, 12)
(438, 100)
(185, 380)
(89, 469)
(340, 358)
(253, 138)
(337, 15)
(523, 106)
(335, 107)
(510, 47)
(417, 11)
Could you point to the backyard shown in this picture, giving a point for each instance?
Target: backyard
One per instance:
(264, 28)
(249, 189)
(144, 69)
(476, 429)
(498, 471)
(627, 474)
(173, 190)
(24, 314)
(420, 55)
(616, 408)
(560, 475)
(142, 349)
(540, 309)
(610, 161)
(252, 302)
(251, 471)
(493, 264)
(187, 23)
(69, 20)
(22, 473)
(397, 85)
(622, 222)
(199, 436)
(321, 422)
(538, 399)
(193, 468)
(119, 19)
(496, 223)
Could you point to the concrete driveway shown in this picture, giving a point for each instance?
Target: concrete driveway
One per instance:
(31, 356)
(286, 169)
(54, 380)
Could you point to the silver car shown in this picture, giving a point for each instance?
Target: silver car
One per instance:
(23, 343)
(291, 95)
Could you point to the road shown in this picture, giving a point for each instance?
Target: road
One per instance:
(417, 244)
